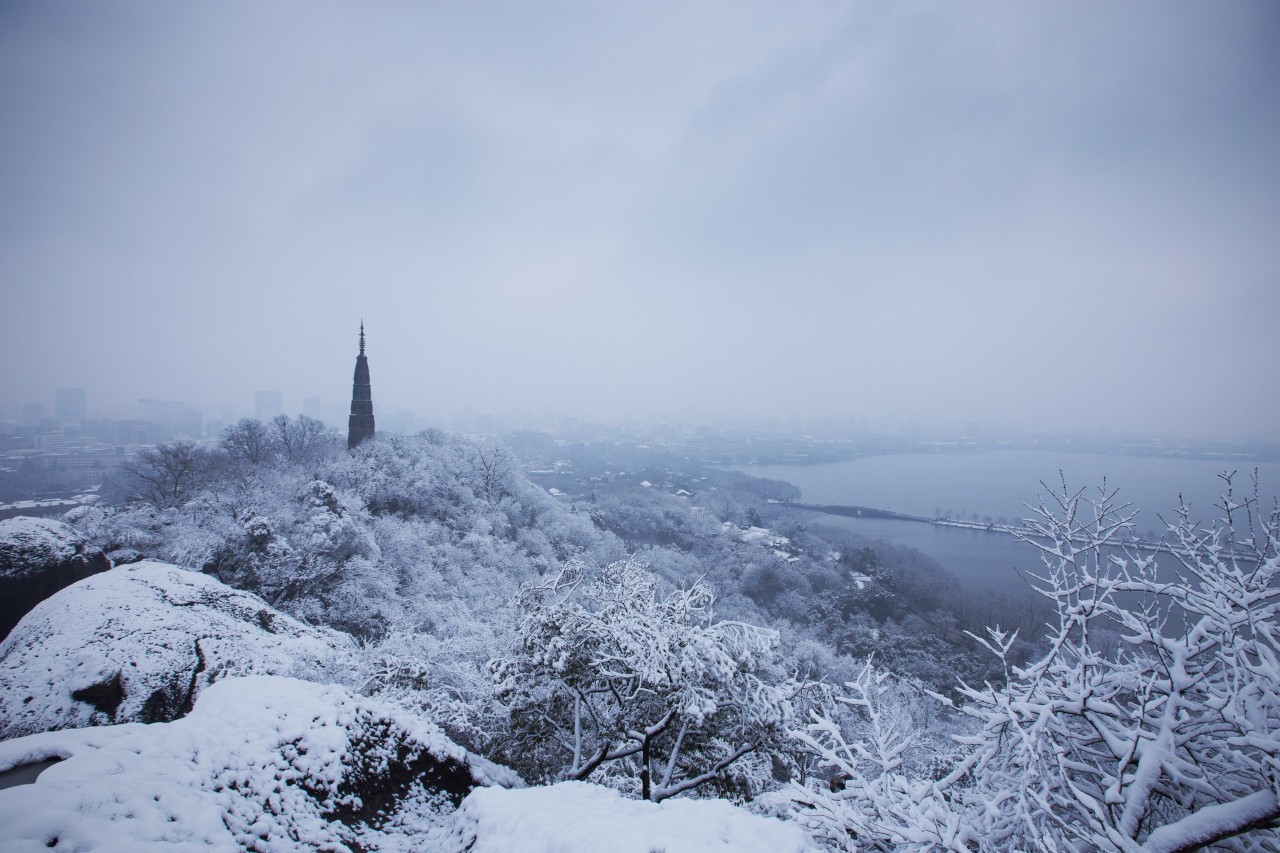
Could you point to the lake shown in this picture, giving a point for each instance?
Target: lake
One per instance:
(996, 484)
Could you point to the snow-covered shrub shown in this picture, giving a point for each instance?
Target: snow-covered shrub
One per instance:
(864, 792)
(647, 691)
(439, 674)
(1168, 742)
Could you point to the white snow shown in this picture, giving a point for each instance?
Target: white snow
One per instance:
(143, 621)
(260, 764)
(28, 544)
(577, 817)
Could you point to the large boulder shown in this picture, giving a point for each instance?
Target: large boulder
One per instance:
(38, 557)
(139, 643)
(260, 764)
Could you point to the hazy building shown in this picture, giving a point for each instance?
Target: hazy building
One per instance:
(267, 404)
(360, 423)
(33, 414)
(70, 405)
(120, 433)
(161, 411)
(168, 419)
(313, 407)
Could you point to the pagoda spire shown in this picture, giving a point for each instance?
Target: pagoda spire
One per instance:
(360, 424)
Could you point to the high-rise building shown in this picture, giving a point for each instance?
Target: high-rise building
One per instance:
(360, 424)
(266, 405)
(70, 405)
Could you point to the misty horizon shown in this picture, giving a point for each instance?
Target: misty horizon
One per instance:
(1050, 218)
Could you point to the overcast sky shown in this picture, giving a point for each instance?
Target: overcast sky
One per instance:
(1040, 215)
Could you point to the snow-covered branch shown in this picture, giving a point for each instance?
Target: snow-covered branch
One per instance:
(1168, 740)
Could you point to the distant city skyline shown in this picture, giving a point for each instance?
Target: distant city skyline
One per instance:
(215, 416)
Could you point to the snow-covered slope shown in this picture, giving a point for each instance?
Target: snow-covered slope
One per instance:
(261, 763)
(576, 817)
(138, 643)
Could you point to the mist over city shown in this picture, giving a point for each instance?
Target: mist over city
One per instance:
(532, 428)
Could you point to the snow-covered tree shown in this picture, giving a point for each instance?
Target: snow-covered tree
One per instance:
(870, 797)
(301, 439)
(167, 475)
(612, 678)
(1166, 741)
(248, 442)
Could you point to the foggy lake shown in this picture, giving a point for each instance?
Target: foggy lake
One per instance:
(996, 484)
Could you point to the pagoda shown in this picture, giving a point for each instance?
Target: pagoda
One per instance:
(360, 425)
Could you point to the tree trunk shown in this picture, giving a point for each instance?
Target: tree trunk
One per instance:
(644, 768)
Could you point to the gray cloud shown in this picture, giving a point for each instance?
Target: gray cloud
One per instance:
(1057, 215)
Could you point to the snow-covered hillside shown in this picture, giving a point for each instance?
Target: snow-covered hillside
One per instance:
(138, 643)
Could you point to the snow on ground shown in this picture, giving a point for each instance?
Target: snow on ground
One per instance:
(262, 763)
(278, 765)
(137, 643)
(577, 817)
(762, 535)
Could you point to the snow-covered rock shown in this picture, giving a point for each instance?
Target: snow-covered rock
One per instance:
(38, 557)
(29, 544)
(125, 556)
(261, 763)
(577, 817)
(138, 643)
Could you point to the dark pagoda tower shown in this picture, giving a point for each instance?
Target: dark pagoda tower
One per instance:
(360, 425)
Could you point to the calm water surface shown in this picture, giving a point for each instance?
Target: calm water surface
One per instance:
(996, 484)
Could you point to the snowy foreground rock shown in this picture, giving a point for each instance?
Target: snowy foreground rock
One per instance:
(138, 644)
(261, 763)
(275, 764)
(38, 557)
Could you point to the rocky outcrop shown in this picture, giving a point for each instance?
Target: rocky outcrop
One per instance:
(261, 763)
(38, 557)
(125, 556)
(139, 644)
